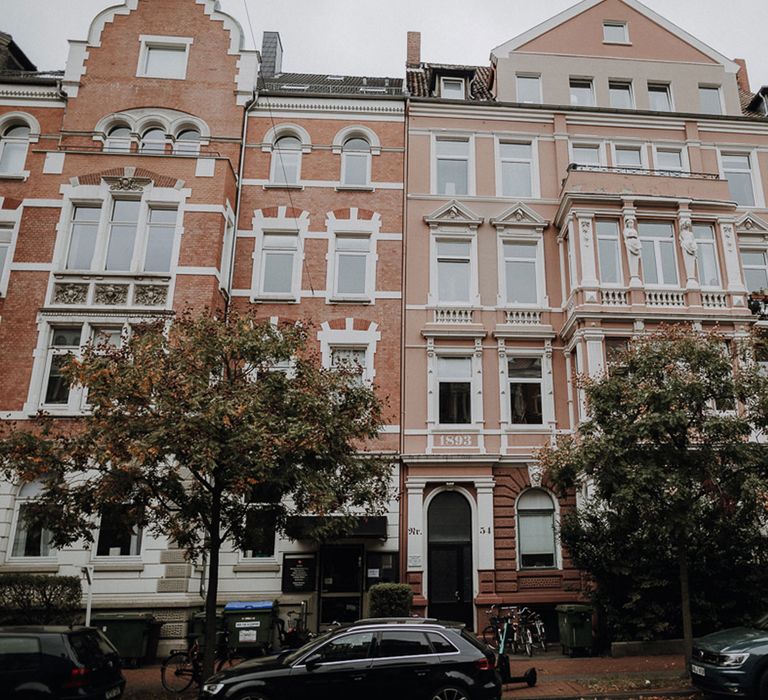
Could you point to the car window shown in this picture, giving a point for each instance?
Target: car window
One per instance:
(18, 653)
(88, 648)
(350, 647)
(440, 644)
(403, 643)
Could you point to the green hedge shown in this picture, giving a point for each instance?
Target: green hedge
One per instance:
(391, 600)
(29, 599)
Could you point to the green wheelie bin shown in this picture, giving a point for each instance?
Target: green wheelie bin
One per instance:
(575, 624)
(134, 634)
(250, 626)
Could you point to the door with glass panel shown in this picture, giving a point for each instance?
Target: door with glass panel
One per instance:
(450, 569)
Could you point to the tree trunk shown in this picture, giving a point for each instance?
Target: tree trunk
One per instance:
(209, 656)
(685, 601)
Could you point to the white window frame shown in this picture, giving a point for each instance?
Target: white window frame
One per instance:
(118, 144)
(658, 256)
(353, 226)
(667, 148)
(719, 89)
(370, 266)
(347, 337)
(624, 82)
(534, 163)
(616, 23)
(753, 248)
(617, 238)
(699, 245)
(8, 121)
(18, 503)
(758, 195)
(520, 236)
(137, 262)
(473, 389)
(587, 144)
(667, 87)
(273, 165)
(547, 395)
(558, 557)
(470, 160)
(622, 145)
(267, 560)
(153, 41)
(511, 355)
(283, 225)
(9, 229)
(367, 156)
(461, 236)
(75, 398)
(580, 79)
(448, 79)
(95, 557)
(529, 76)
(263, 250)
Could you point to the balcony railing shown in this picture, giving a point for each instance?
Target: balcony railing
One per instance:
(452, 316)
(714, 300)
(667, 298)
(146, 291)
(523, 317)
(614, 297)
(623, 170)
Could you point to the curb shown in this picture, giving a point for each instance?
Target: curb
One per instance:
(510, 694)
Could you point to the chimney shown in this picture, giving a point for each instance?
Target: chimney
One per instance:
(413, 55)
(742, 78)
(271, 55)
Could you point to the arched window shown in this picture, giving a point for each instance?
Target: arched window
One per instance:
(286, 161)
(29, 539)
(356, 162)
(153, 141)
(13, 149)
(119, 140)
(536, 529)
(188, 142)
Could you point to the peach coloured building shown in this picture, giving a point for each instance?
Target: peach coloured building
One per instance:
(599, 178)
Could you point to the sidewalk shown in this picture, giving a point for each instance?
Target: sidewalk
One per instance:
(558, 677)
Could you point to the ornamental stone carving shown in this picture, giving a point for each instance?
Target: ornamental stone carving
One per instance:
(689, 246)
(535, 475)
(126, 184)
(150, 295)
(111, 294)
(70, 293)
(632, 244)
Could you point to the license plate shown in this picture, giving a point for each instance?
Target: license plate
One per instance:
(698, 670)
(112, 693)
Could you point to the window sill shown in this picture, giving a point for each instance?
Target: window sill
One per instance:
(118, 566)
(252, 567)
(455, 428)
(350, 300)
(282, 186)
(22, 567)
(266, 299)
(102, 274)
(14, 176)
(617, 43)
(355, 188)
(520, 428)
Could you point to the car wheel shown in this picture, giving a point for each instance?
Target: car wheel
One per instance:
(762, 687)
(449, 692)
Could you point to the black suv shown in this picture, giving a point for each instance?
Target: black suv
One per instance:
(376, 659)
(58, 662)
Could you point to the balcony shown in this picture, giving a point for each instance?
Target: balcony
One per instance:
(110, 290)
(596, 179)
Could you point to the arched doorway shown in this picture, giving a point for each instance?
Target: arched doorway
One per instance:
(449, 556)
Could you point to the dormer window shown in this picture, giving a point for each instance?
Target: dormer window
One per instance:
(452, 88)
(163, 57)
(615, 33)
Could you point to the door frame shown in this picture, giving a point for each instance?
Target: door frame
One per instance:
(469, 496)
(341, 594)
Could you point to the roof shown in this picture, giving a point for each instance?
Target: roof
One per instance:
(562, 17)
(421, 81)
(323, 83)
(11, 55)
(51, 77)
(750, 103)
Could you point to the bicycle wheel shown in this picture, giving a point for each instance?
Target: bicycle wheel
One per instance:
(490, 636)
(229, 661)
(177, 672)
(542, 637)
(528, 643)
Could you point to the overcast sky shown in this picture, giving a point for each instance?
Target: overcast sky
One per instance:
(367, 37)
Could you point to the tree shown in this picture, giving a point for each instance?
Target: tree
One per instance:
(194, 427)
(679, 481)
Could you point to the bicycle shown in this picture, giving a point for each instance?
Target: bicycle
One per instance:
(182, 668)
(297, 634)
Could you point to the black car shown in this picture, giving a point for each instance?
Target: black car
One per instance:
(383, 659)
(58, 662)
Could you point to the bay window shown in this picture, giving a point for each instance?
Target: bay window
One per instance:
(755, 264)
(608, 252)
(737, 168)
(706, 255)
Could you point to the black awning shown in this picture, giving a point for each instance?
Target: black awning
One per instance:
(323, 527)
